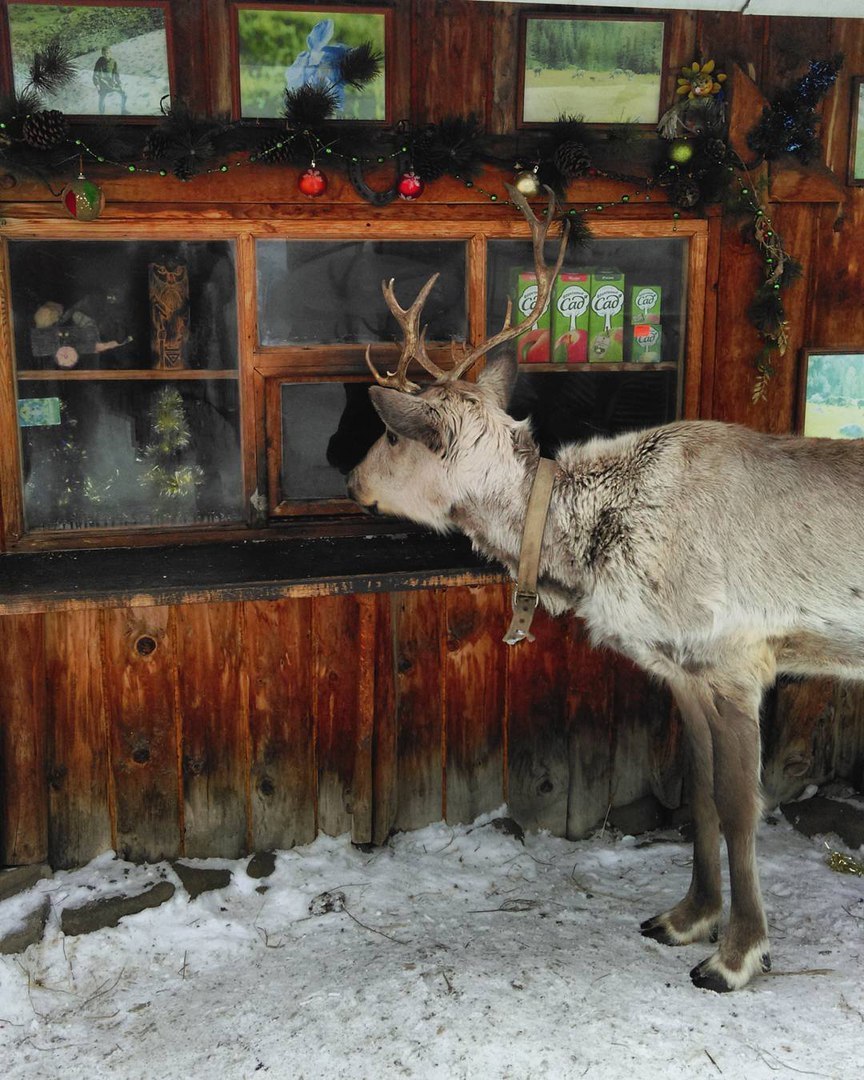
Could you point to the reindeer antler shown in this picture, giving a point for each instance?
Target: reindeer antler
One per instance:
(414, 343)
(545, 280)
(415, 339)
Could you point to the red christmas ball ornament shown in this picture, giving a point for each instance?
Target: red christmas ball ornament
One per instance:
(410, 186)
(312, 182)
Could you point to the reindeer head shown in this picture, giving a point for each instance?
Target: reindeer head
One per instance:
(452, 441)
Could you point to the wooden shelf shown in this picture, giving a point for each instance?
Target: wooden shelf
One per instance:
(125, 374)
(585, 368)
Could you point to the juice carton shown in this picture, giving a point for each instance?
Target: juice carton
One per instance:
(571, 305)
(532, 346)
(645, 304)
(647, 339)
(606, 324)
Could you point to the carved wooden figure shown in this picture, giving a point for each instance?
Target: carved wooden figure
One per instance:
(169, 314)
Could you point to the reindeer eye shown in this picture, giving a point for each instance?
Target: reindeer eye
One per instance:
(392, 437)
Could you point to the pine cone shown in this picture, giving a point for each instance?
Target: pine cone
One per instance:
(184, 168)
(275, 151)
(716, 150)
(686, 194)
(571, 159)
(44, 129)
(155, 146)
(428, 157)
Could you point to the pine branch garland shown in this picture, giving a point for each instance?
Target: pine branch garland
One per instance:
(52, 69)
(360, 66)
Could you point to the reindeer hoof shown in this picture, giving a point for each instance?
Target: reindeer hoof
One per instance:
(713, 974)
(707, 979)
(657, 930)
(661, 930)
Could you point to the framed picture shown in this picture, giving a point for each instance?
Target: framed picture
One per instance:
(602, 70)
(284, 47)
(832, 394)
(120, 53)
(856, 133)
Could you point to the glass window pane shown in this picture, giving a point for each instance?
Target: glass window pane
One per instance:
(115, 304)
(104, 453)
(326, 430)
(330, 292)
(575, 406)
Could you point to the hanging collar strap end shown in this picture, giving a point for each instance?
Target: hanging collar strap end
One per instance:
(525, 597)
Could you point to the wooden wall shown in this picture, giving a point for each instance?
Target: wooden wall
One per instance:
(217, 728)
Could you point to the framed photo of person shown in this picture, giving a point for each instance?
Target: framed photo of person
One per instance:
(119, 54)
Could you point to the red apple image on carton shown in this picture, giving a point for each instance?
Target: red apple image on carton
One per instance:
(532, 346)
(571, 306)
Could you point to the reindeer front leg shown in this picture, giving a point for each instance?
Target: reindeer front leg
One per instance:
(743, 951)
(697, 916)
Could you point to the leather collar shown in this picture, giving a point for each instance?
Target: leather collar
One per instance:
(525, 597)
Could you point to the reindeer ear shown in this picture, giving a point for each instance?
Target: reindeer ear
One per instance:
(499, 378)
(407, 415)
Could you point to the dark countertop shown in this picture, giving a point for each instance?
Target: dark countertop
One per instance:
(236, 570)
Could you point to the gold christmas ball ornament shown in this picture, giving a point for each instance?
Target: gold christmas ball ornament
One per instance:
(526, 182)
(83, 199)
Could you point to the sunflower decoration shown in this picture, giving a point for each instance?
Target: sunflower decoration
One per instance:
(700, 80)
(700, 106)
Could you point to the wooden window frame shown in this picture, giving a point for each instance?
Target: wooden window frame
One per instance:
(262, 368)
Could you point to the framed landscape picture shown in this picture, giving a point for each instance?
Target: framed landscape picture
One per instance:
(856, 134)
(602, 70)
(832, 394)
(120, 52)
(284, 47)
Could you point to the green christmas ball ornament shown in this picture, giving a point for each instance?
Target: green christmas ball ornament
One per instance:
(681, 151)
(83, 199)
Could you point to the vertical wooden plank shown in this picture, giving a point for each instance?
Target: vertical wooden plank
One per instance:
(419, 618)
(212, 704)
(191, 58)
(730, 38)
(80, 824)
(11, 509)
(277, 647)
(23, 730)
(384, 754)
(450, 54)
(791, 44)
(644, 747)
(538, 765)
(474, 672)
(504, 69)
(590, 706)
(849, 733)
(798, 731)
(361, 789)
(138, 687)
(341, 629)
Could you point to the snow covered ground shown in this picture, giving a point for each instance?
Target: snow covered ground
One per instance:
(459, 953)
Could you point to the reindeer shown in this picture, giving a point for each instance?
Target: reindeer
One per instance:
(713, 556)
